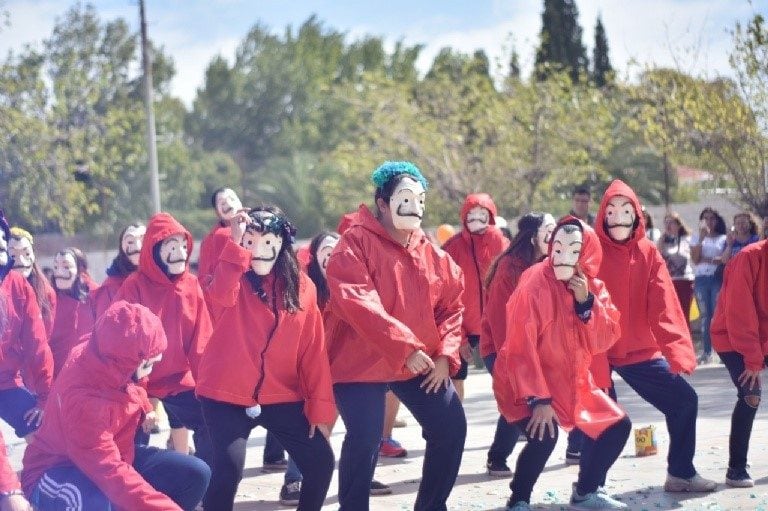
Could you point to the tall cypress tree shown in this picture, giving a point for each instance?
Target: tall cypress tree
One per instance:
(601, 63)
(560, 45)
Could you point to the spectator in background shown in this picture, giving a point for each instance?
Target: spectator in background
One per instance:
(580, 199)
(675, 248)
(743, 232)
(651, 232)
(707, 247)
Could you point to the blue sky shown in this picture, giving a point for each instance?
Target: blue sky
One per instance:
(691, 34)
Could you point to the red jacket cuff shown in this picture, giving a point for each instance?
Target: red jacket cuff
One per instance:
(319, 411)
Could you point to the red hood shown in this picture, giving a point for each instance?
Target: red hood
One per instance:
(619, 187)
(160, 226)
(365, 219)
(345, 222)
(591, 251)
(124, 335)
(478, 199)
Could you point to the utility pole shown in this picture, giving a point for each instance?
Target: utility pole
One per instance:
(146, 61)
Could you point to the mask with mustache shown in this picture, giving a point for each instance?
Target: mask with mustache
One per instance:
(64, 270)
(264, 248)
(544, 234)
(620, 216)
(173, 254)
(227, 204)
(566, 249)
(23, 255)
(133, 239)
(324, 252)
(478, 219)
(407, 204)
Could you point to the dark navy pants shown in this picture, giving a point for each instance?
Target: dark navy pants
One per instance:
(444, 427)
(507, 433)
(14, 403)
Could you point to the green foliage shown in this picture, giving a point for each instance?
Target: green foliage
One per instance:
(602, 71)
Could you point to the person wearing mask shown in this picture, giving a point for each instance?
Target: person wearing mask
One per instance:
(21, 248)
(125, 262)
(674, 246)
(529, 246)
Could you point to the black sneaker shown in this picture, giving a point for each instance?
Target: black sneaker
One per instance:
(290, 493)
(275, 466)
(379, 488)
(498, 469)
(572, 458)
(738, 478)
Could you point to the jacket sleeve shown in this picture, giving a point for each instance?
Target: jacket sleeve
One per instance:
(520, 353)
(224, 286)
(355, 299)
(201, 332)
(449, 311)
(666, 318)
(315, 371)
(741, 313)
(91, 447)
(8, 479)
(38, 360)
(494, 322)
(603, 328)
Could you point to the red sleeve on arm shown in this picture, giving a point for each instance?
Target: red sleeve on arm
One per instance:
(92, 449)
(315, 371)
(495, 312)
(224, 286)
(201, 333)
(741, 312)
(355, 299)
(38, 360)
(8, 479)
(448, 317)
(666, 319)
(603, 328)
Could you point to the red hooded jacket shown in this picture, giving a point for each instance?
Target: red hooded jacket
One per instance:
(740, 322)
(652, 321)
(261, 351)
(388, 301)
(474, 254)
(74, 319)
(178, 303)
(96, 408)
(24, 343)
(493, 329)
(103, 296)
(8, 479)
(549, 349)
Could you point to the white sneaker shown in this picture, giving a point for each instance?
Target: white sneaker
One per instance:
(695, 484)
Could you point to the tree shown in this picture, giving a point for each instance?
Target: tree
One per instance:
(560, 45)
(602, 72)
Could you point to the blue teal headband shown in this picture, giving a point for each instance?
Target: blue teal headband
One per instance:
(389, 169)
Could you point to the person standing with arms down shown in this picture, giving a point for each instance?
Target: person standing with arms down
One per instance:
(394, 322)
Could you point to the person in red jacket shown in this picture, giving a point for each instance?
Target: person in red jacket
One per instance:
(558, 318)
(83, 458)
(25, 349)
(21, 248)
(530, 244)
(740, 337)
(474, 249)
(655, 346)
(125, 262)
(226, 204)
(394, 322)
(11, 496)
(266, 363)
(320, 249)
(164, 284)
(74, 310)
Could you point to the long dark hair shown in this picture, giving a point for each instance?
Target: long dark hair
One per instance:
(314, 271)
(37, 278)
(79, 289)
(122, 266)
(720, 227)
(286, 267)
(523, 245)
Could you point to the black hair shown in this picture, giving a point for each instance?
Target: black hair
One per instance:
(79, 290)
(215, 195)
(314, 271)
(385, 192)
(720, 227)
(581, 190)
(122, 266)
(286, 268)
(522, 246)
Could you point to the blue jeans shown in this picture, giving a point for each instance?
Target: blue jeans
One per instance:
(182, 478)
(743, 417)
(443, 425)
(507, 433)
(14, 403)
(675, 398)
(706, 288)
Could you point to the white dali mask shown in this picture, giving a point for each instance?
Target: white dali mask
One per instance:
(544, 234)
(133, 239)
(324, 250)
(566, 249)
(227, 204)
(23, 255)
(146, 366)
(64, 270)
(478, 219)
(173, 252)
(407, 204)
(3, 248)
(264, 248)
(620, 217)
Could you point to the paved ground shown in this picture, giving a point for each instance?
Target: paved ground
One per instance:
(637, 481)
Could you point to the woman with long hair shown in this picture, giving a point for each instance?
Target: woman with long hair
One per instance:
(529, 246)
(675, 248)
(21, 247)
(125, 262)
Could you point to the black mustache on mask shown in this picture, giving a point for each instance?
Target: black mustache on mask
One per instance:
(564, 265)
(133, 252)
(172, 261)
(19, 264)
(399, 213)
(266, 259)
